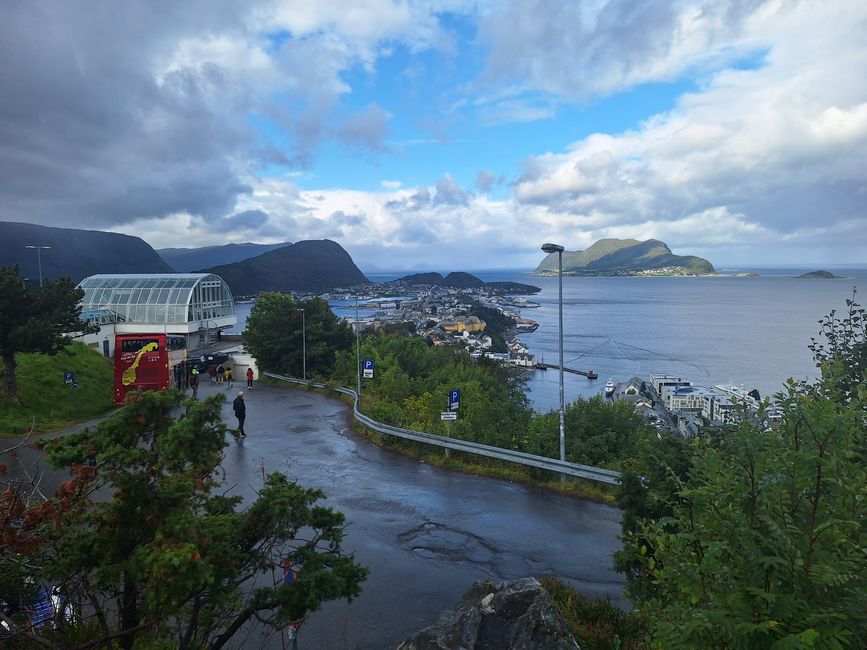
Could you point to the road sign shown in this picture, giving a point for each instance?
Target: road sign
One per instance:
(448, 415)
(69, 377)
(367, 366)
(454, 399)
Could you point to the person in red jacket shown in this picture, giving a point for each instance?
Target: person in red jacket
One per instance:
(250, 378)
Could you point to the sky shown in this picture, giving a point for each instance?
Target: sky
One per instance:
(443, 135)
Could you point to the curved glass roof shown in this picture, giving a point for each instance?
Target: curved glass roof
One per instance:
(160, 297)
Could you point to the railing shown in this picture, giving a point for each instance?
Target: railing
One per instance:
(541, 462)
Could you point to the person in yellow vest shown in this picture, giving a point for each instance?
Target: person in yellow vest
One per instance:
(228, 377)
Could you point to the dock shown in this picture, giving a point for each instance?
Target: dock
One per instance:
(586, 373)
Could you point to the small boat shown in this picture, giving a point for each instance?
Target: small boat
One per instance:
(609, 388)
(526, 326)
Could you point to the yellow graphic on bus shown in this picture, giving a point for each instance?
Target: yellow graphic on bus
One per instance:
(129, 374)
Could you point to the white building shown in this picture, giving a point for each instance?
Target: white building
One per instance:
(661, 382)
(195, 306)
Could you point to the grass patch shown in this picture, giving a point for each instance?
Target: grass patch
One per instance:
(597, 623)
(47, 402)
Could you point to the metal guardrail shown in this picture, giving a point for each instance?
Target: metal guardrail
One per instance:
(588, 472)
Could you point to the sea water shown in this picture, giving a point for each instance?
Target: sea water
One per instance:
(727, 329)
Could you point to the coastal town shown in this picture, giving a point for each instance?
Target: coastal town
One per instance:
(442, 315)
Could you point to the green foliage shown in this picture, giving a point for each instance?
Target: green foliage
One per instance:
(46, 402)
(277, 334)
(648, 491)
(597, 432)
(597, 623)
(497, 324)
(762, 543)
(35, 319)
(170, 558)
(412, 384)
(841, 353)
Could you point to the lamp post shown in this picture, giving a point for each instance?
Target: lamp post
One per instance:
(357, 353)
(303, 346)
(39, 250)
(556, 248)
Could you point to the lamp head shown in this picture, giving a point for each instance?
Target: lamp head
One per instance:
(552, 248)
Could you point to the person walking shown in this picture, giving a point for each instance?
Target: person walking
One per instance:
(250, 378)
(228, 376)
(212, 371)
(221, 374)
(240, 412)
(194, 383)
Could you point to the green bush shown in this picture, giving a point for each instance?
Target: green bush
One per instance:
(597, 623)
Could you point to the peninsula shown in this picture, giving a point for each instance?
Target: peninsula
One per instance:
(626, 257)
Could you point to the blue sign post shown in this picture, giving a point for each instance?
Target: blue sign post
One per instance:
(69, 377)
(367, 368)
(454, 399)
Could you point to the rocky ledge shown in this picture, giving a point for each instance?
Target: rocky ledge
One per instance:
(502, 616)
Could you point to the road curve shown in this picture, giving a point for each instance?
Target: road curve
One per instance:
(425, 533)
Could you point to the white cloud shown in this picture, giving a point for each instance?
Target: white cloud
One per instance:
(775, 148)
(580, 50)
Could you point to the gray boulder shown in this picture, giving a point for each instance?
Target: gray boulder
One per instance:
(517, 615)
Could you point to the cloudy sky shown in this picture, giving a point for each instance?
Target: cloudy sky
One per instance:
(445, 135)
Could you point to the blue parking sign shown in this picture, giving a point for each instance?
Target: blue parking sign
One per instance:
(69, 377)
(367, 367)
(454, 399)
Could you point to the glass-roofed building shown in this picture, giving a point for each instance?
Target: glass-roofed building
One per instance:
(194, 305)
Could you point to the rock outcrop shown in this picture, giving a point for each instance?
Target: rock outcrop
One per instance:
(509, 615)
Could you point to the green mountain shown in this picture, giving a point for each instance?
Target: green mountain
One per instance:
(626, 257)
(315, 265)
(184, 260)
(74, 253)
(461, 280)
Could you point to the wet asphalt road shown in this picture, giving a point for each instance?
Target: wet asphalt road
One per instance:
(426, 534)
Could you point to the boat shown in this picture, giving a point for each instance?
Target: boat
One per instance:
(526, 326)
(609, 388)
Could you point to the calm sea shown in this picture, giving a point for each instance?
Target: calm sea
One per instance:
(748, 331)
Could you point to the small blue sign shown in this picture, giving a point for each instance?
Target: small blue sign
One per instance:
(367, 366)
(69, 377)
(454, 399)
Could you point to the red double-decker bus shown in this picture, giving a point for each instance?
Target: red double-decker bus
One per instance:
(148, 362)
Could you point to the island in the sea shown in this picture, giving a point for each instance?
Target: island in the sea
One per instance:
(820, 275)
(626, 257)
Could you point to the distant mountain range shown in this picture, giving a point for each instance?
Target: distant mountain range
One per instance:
(461, 280)
(625, 257)
(314, 266)
(185, 260)
(304, 266)
(74, 253)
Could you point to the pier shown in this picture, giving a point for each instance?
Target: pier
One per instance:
(587, 373)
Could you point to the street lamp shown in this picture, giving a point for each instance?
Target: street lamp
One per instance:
(357, 353)
(39, 250)
(303, 346)
(556, 248)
